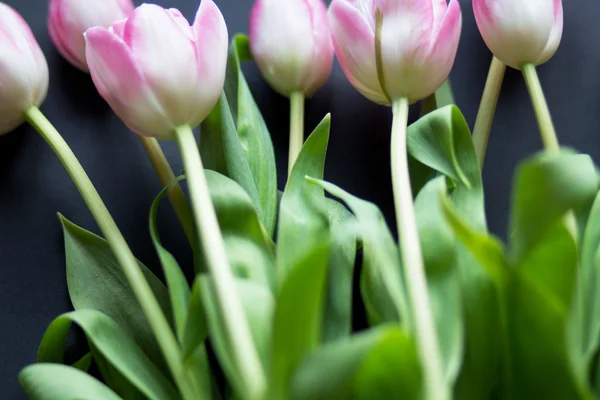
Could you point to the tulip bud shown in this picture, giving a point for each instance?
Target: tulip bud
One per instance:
(417, 42)
(156, 71)
(520, 32)
(291, 44)
(69, 19)
(23, 70)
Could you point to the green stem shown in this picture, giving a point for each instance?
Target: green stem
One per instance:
(116, 241)
(540, 107)
(223, 281)
(487, 109)
(414, 269)
(166, 176)
(296, 128)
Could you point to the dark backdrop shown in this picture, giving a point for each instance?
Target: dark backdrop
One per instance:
(34, 186)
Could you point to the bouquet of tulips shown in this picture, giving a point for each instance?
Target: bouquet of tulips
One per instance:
(280, 278)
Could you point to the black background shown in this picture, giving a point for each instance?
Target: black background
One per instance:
(34, 186)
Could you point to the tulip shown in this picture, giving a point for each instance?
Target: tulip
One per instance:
(156, 71)
(69, 19)
(418, 42)
(520, 32)
(290, 42)
(23, 70)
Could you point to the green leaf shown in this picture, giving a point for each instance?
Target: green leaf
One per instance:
(547, 186)
(583, 329)
(247, 244)
(252, 130)
(303, 258)
(337, 319)
(96, 281)
(299, 215)
(84, 363)
(441, 141)
(382, 284)
(60, 382)
(196, 327)
(259, 305)
(440, 254)
(349, 367)
(115, 346)
(222, 151)
(179, 290)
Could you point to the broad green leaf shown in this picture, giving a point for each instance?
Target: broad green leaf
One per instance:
(96, 281)
(259, 305)
(441, 140)
(583, 329)
(391, 370)
(302, 259)
(196, 327)
(547, 186)
(60, 382)
(440, 254)
(84, 363)
(252, 130)
(247, 245)
(223, 152)
(382, 286)
(298, 314)
(299, 215)
(337, 319)
(179, 290)
(332, 371)
(116, 347)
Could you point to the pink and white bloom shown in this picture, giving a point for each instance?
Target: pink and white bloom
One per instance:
(520, 32)
(156, 71)
(291, 43)
(69, 19)
(23, 70)
(419, 40)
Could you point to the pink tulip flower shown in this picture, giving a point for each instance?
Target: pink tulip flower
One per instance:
(291, 44)
(69, 19)
(23, 70)
(520, 32)
(156, 71)
(419, 40)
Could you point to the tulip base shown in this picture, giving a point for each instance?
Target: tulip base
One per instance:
(222, 278)
(414, 268)
(135, 277)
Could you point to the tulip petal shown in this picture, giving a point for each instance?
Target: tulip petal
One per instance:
(354, 42)
(167, 57)
(122, 85)
(556, 35)
(439, 11)
(443, 53)
(57, 34)
(406, 36)
(212, 42)
(516, 31)
(317, 75)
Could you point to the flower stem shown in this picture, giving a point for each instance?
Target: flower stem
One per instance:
(487, 109)
(166, 177)
(414, 269)
(540, 106)
(296, 128)
(137, 281)
(223, 281)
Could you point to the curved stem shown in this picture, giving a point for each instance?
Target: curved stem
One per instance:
(487, 109)
(296, 128)
(414, 269)
(223, 281)
(137, 281)
(540, 107)
(166, 176)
